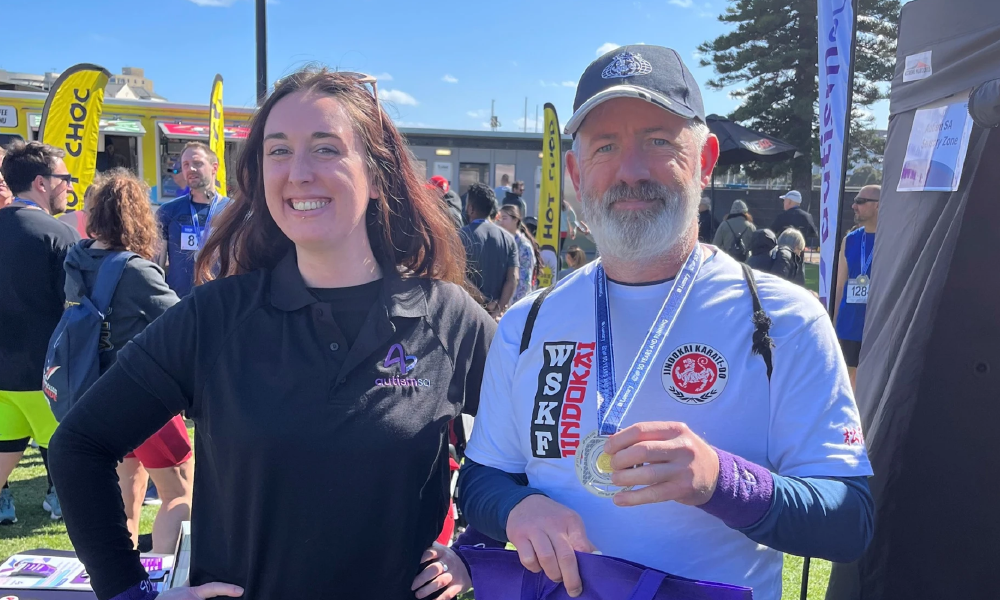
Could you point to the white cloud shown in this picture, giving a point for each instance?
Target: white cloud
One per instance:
(478, 114)
(513, 63)
(414, 124)
(607, 47)
(696, 56)
(384, 77)
(449, 79)
(706, 14)
(216, 3)
(681, 3)
(485, 125)
(568, 84)
(396, 97)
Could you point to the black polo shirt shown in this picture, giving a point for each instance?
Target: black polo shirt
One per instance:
(33, 246)
(322, 469)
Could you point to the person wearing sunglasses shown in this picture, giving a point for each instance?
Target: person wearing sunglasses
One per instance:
(33, 246)
(528, 253)
(321, 367)
(854, 273)
(178, 177)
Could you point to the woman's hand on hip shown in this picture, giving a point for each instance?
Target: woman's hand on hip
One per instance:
(447, 572)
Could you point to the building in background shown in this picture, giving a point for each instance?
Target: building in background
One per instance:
(130, 85)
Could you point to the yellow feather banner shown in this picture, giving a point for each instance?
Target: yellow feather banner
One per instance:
(71, 120)
(550, 199)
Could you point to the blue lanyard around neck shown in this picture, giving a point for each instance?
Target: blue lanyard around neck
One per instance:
(198, 229)
(28, 203)
(866, 261)
(611, 405)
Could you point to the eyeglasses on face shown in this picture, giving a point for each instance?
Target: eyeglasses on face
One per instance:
(863, 201)
(66, 178)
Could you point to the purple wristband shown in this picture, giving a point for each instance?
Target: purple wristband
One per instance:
(743, 493)
(144, 590)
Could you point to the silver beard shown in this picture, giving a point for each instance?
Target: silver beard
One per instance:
(640, 234)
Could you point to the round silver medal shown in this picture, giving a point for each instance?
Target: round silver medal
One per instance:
(593, 467)
(862, 280)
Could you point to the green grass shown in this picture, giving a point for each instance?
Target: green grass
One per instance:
(34, 529)
(819, 576)
(812, 276)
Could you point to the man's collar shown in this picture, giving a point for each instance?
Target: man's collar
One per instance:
(31, 203)
(403, 296)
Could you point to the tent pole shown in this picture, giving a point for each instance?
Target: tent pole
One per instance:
(804, 591)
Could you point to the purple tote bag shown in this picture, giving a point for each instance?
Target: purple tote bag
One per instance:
(499, 575)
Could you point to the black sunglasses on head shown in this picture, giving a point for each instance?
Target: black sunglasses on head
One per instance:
(863, 201)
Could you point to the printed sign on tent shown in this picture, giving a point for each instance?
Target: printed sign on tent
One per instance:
(935, 153)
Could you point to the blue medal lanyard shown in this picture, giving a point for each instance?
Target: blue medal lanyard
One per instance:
(611, 406)
(27, 202)
(198, 230)
(866, 261)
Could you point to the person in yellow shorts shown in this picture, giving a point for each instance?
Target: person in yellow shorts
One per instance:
(24, 416)
(33, 246)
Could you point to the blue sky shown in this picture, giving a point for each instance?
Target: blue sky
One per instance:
(439, 63)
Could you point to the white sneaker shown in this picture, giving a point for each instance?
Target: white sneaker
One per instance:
(52, 505)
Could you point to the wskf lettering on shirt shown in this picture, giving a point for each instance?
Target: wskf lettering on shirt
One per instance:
(562, 388)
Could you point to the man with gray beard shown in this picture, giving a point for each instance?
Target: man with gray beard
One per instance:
(661, 404)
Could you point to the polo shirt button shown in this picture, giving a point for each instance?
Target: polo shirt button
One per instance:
(335, 346)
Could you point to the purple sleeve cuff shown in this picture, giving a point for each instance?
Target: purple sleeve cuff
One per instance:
(144, 590)
(743, 493)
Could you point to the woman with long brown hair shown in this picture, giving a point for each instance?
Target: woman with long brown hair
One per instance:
(321, 368)
(121, 221)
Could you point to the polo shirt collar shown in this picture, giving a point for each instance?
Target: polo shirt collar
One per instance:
(404, 296)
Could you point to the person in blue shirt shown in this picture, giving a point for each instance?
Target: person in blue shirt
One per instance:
(854, 276)
(185, 221)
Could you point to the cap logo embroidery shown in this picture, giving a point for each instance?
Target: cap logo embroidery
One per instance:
(627, 64)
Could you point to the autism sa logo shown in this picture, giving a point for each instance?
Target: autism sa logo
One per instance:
(695, 374)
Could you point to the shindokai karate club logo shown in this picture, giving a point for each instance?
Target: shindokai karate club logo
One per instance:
(695, 374)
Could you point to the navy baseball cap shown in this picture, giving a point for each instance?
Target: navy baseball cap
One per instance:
(652, 73)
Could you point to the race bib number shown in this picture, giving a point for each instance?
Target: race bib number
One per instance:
(857, 293)
(189, 239)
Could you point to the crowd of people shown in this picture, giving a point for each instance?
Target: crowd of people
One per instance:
(326, 327)
(780, 250)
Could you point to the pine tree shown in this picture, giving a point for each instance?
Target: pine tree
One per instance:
(771, 58)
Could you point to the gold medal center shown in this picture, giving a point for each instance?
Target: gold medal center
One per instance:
(604, 463)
